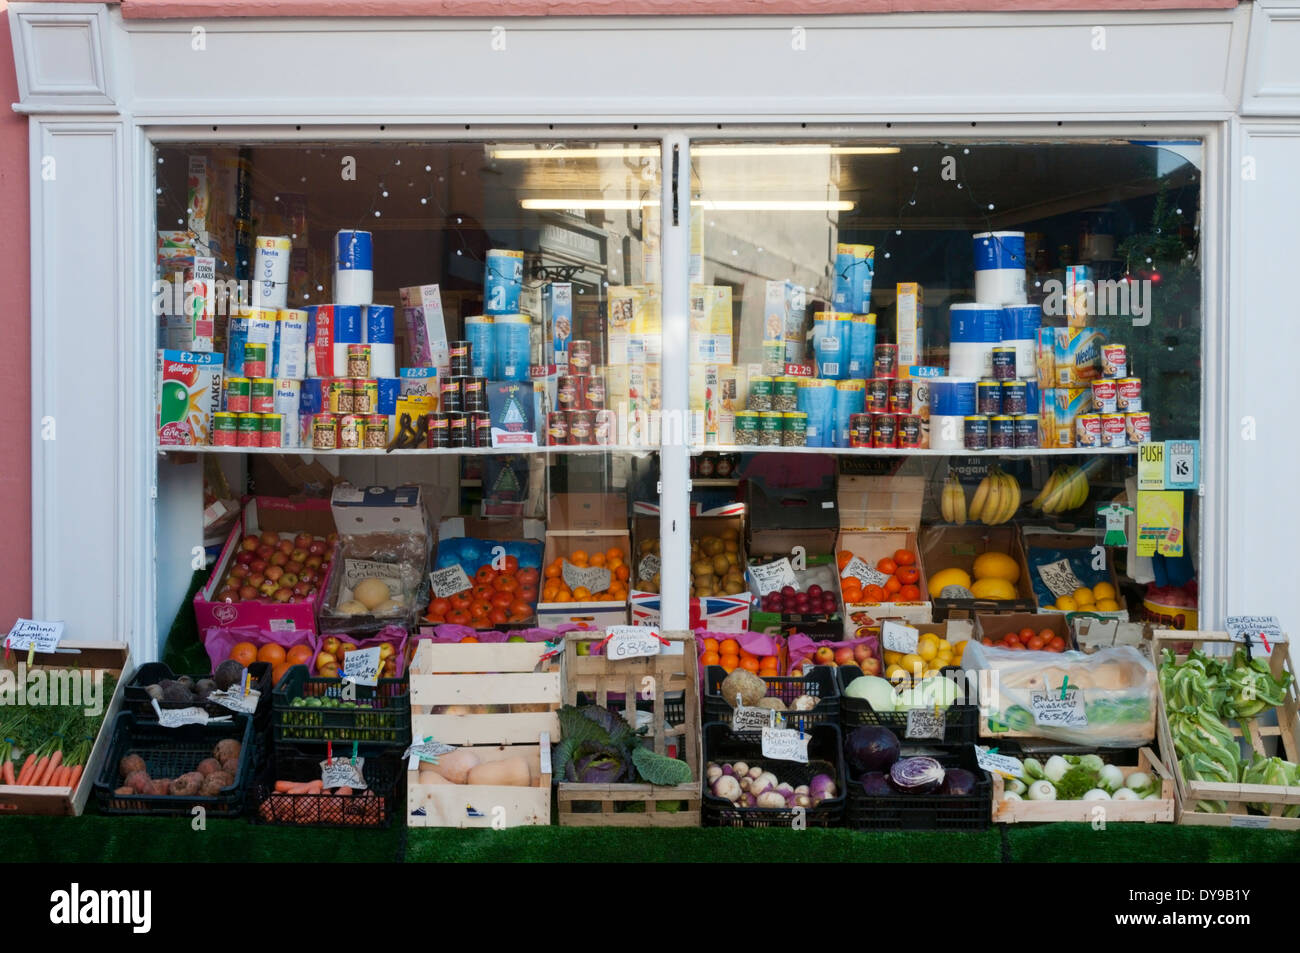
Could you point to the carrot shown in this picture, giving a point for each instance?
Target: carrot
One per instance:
(25, 772)
(37, 770)
(345, 791)
(282, 787)
(296, 787)
(75, 776)
(43, 777)
(315, 787)
(7, 773)
(61, 776)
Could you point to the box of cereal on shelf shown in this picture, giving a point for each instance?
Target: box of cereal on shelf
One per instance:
(189, 393)
(1059, 406)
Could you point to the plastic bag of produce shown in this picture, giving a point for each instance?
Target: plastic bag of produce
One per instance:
(1106, 699)
(802, 648)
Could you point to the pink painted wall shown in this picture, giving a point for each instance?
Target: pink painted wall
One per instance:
(15, 354)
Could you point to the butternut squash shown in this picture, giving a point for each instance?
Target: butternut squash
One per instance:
(454, 765)
(511, 772)
(430, 776)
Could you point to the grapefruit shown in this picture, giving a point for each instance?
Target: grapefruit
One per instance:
(993, 565)
(948, 577)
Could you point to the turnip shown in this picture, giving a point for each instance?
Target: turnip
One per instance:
(763, 783)
(727, 787)
(801, 789)
(728, 770)
(714, 772)
(740, 768)
(821, 788)
(803, 800)
(756, 772)
(771, 799)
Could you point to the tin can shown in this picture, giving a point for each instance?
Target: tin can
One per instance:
(325, 432)
(568, 392)
(358, 360)
(593, 397)
(794, 429)
(438, 430)
(785, 394)
(473, 394)
(375, 435)
(271, 430)
(884, 431)
(877, 400)
(1114, 434)
(254, 360)
(909, 431)
(1002, 432)
(1114, 360)
(769, 428)
(988, 397)
(747, 428)
(581, 428)
(238, 390)
(886, 361)
(774, 357)
(1015, 398)
(365, 395)
(1004, 363)
(900, 396)
(1104, 396)
(1128, 395)
(225, 429)
(261, 395)
(557, 428)
(350, 431)
(340, 396)
(859, 430)
(480, 429)
(1087, 431)
(760, 393)
(603, 430)
(1137, 428)
(249, 430)
(458, 358)
(976, 428)
(1027, 431)
(458, 429)
(449, 395)
(579, 357)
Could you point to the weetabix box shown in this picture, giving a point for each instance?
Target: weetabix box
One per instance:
(1069, 357)
(426, 328)
(189, 393)
(733, 391)
(1059, 406)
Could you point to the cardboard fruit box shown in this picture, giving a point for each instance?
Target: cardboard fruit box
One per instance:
(948, 547)
(1085, 545)
(72, 657)
(880, 515)
(719, 613)
(591, 522)
(528, 533)
(287, 518)
(781, 519)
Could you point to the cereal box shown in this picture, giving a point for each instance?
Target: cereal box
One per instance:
(1069, 357)
(189, 393)
(1059, 408)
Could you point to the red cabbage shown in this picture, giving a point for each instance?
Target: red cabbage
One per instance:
(875, 784)
(595, 763)
(958, 781)
(871, 748)
(916, 775)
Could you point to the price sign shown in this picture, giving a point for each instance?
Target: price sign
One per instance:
(785, 744)
(1058, 709)
(1060, 578)
(773, 576)
(592, 578)
(748, 718)
(925, 723)
(235, 700)
(864, 573)
(176, 717)
(354, 570)
(632, 641)
(798, 370)
(342, 773)
(648, 568)
(362, 666)
(449, 581)
(898, 637)
(427, 750)
(30, 634)
(1001, 764)
(1261, 631)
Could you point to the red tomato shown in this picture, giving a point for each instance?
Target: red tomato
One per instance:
(986, 641)
(498, 616)
(1047, 634)
(528, 577)
(479, 610)
(908, 575)
(436, 617)
(512, 564)
(1011, 637)
(439, 606)
(460, 601)
(904, 557)
(458, 617)
(1034, 643)
(1016, 646)
(1056, 645)
(1026, 634)
(482, 593)
(887, 566)
(484, 574)
(502, 599)
(528, 594)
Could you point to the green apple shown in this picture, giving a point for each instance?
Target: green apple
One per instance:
(515, 638)
(584, 648)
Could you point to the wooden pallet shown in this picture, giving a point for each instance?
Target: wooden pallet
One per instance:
(597, 676)
(508, 675)
(1159, 810)
(1254, 735)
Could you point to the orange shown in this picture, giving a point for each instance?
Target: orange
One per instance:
(277, 671)
(298, 655)
(614, 552)
(729, 662)
(744, 654)
(892, 584)
(469, 638)
(768, 672)
(710, 645)
(729, 647)
(245, 653)
(622, 573)
(553, 571)
(581, 594)
(578, 557)
(709, 658)
(550, 590)
(563, 596)
(909, 593)
(598, 559)
(749, 664)
(843, 558)
(270, 652)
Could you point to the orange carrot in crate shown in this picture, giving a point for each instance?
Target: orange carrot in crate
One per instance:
(75, 776)
(7, 773)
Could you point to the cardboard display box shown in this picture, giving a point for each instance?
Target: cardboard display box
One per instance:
(716, 613)
(780, 520)
(503, 530)
(878, 516)
(945, 547)
(591, 522)
(1044, 540)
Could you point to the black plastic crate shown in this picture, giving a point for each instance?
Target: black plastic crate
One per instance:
(825, 756)
(961, 722)
(382, 714)
(169, 753)
(385, 775)
(138, 702)
(820, 683)
(925, 812)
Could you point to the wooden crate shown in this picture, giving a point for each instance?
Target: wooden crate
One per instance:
(1253, 734)
(595, 675)
(112, 657)
(1153, 811)
(510, 674)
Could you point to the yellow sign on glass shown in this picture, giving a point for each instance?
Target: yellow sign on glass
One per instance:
(1160, 523)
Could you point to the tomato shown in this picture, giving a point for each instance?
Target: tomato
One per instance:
(873, 593)
(1011, 638)
(887, 566)
(528, 594)
(459, 601)
(497, 616)
(501, 599)
(904, 557)
(1048, 634)
(439, 606)
(518, 608)
(1016, 646)
(482, 593)
(1034, 643)
(986, 641)
(908, 575)
(909, 594)
(479, 610)
(506, 584)
(458, 617)
(512, 564)
(528, 577)
(1026, 634)
(437, 618)
(1056, 645)
(484, 574)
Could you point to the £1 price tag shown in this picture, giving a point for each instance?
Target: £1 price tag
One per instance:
(342, 773)
(362, 666)
(786, 744)
(28, 634)
(631, 641)
(898, 637)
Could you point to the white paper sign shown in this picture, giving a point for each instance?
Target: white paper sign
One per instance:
(773, 576)
(1050, 708)
(1263, 631)
(749, 718)
(1001, 764)
(29, 633)
(1060, 578)
(864, 573)
(342, 773)
(632, 641)
(785, 744)
(362, 666)
(898, 637)
(925, 723)
(354, 570)
(427, 750)
(593, 578)
(236, 700)
(648, 568)
(449, 581)
(176, 717)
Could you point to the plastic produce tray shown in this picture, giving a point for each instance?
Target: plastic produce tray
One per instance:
(961, 722)
(925, 812)
(383, 770)
(382, 715)
(820, 683)
(824, 757)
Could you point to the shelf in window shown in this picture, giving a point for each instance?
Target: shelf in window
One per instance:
(418, 452)
(897, 452)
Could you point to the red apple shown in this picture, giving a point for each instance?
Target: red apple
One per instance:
(255, 579)
(301, 590)
(299, 555)
(268, 587)
(250, 543)
(285, 546)
(278, 559)
(264, 551)
(293, 565)
(824, 655)
(289, 579)
(228, 595)
(245, 557)
(258, 565)
(302, 541)
(844, 656)
(247, 592)
(332, 538)
(330, 645)
(313, 562)
(309, 575)
(862, 651)
(870, 666)
(316, 548)
(274, 573)
(268, 538)
(283, 595)
(239, 571)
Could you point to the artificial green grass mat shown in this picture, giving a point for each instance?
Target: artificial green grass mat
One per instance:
(1150, 843)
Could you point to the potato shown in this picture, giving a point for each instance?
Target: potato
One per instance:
(139, 781)
(702, 567)
(227, 749)
(207, 766)
(130, 764)
(646, 545)
(187, 785)
(730, 533)
(162, 786)
(125, 791)
(720, 564)
(712, 546)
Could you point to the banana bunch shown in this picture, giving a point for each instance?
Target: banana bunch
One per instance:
(952, 503)
(1066, 489)
(996, 498)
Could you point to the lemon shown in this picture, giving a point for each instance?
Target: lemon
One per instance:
(948, 577)
(1106, 605)
(1084, 597)
(996, 566)
(993, 588)
(893, 658)
(942, 660)
(928, 646)
(958, 649)
(1103, 590)
(895, 673)
(931, 671)
(1067, 604)
(912, 664)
